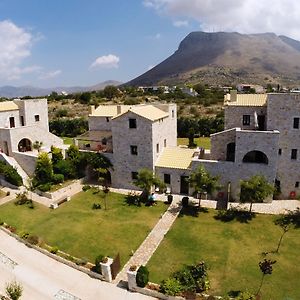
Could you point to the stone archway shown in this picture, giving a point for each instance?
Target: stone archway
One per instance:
(25, 145)
(256, 157)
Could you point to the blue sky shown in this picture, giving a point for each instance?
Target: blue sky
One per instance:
(49, 43)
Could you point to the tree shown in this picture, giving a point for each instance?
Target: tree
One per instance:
(255, 190)
(44, 170)
(266, 267)
(37, 145)
(110, 92)
(145, 180)
(287, 222)
(14, 290)
(202, 182)
(56, 155)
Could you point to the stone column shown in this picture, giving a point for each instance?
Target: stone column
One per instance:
(131, 278)
(106, 269)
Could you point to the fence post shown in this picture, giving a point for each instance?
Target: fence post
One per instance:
(106, 269)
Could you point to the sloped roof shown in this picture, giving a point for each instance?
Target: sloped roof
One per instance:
(247, 100)
(175, 158)
(149, 112)
(109, 110)
(8, 105)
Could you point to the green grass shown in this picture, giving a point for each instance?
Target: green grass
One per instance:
(68, 140)
(232, 251)
(83, 232)
(203, 142)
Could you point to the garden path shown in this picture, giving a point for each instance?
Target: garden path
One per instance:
(152, 241)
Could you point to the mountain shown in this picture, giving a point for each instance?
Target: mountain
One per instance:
(12, 91)
(228, 58)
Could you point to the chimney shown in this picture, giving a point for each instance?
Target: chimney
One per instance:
(233, 95)
(118, 109)
(92, 109)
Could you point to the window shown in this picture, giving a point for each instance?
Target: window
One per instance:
(134, 175)
(279, 151)
(107, 119)
(132, 123)
(157, 148)
(294, 154)
(246, 119)
(296, 123)
(133, 150)
(297, 184)
(37, 118)
(22, 121)
(12, 122)
(173, 114)
(167, 178)
(165, 142)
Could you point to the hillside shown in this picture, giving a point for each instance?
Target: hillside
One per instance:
(228, 58)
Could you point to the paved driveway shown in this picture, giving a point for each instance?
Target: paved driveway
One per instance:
(44, 278)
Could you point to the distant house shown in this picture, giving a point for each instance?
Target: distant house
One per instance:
(246, 88)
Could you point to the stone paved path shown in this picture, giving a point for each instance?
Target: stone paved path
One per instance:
(150, 244)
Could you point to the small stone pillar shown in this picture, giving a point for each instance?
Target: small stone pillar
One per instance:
(106, 269)
(131, 278)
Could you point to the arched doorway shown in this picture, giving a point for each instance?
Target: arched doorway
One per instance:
(25, 145)
(256, 157)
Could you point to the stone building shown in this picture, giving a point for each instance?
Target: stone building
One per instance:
(261, 136)
(22, 123)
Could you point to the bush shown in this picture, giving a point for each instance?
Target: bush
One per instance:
(13, 290)
(66, 168)
(142, 276)
(96, 206)
(44, 187)
(185, 201)
(33, 239)
(58, 178)
(54, 250)
(10, 174)
(98, 260)
(86, 188)
(171, 287)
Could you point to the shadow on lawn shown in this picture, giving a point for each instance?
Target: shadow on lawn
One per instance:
(192, 211)
(231, 214)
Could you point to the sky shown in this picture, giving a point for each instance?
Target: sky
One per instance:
(50, 43)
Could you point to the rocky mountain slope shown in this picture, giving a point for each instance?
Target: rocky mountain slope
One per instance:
(229, 58)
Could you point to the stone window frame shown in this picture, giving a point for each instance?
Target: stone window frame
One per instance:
(132, 123)
(296, 122)
(294, 153)
(37, 118)
(246, 120)
(133, 150)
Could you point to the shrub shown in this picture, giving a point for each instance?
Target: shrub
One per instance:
(81, 261)
(142, 276)
(185, 201)
(33, 239)
(24, 235)
(10, 174)
(66, 168)
(171, 286)
(98, 260)
(58, 178)
(86, 188)
(44, 187)
(96, 206)
(54, 250)
(14, 290)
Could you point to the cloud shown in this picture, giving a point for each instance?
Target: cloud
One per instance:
(247, 16)
(15, 47)
(106, 61)
(181, 23)
(49, 75)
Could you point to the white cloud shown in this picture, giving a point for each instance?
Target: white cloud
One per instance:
(15, 46)
(247, 16)
(106, 61)
(181, 23)
(49, 75)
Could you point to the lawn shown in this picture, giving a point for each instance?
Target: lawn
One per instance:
(83, 232)
(232, 251)
(68, 140)
(203, 142)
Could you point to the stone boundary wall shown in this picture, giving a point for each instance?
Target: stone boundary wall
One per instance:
(56, 257)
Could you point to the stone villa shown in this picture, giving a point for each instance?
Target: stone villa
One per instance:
(22, 123)
(261, 136)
